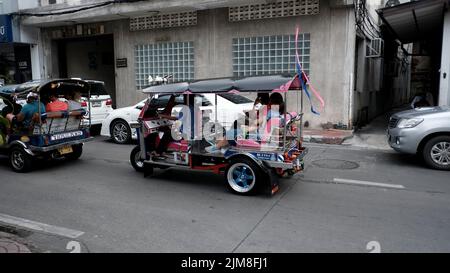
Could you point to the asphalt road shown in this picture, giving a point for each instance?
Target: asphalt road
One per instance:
(118, 210)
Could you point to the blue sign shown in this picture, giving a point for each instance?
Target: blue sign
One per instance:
(5, 29)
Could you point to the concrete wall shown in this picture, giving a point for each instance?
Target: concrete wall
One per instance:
(332, 53)
(8, 6)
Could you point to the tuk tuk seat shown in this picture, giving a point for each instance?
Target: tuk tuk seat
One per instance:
(178, 146)
(59, 121)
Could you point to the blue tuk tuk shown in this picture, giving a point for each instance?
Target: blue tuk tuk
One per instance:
(48, 135)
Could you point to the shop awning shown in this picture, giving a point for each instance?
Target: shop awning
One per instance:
(413, 21)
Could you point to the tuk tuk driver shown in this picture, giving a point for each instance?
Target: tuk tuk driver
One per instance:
(166, 138)
(29, 110)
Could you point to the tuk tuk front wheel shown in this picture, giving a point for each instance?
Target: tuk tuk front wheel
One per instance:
(77, 151)
(243, 176)
(135, 159)
(20, 160)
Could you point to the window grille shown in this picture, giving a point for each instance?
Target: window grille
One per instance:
(273, 10)
(181, 19)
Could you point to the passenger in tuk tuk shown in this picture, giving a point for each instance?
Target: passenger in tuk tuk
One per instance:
(265, 113)
(73, 100)
(12, 107)
(4, 128)
(55, 104)
(29, 111)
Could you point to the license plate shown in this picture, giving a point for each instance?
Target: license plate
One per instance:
(65, 150)
(96, 104)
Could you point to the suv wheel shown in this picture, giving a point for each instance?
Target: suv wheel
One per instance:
(120, 132)
(436, 153)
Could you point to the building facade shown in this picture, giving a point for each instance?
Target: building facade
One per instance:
(17, 45)
(125, 43)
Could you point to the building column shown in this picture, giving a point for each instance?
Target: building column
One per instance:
(35, 62)
(444, 86)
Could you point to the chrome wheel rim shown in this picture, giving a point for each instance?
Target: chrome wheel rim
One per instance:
(120, 132)
(440, 153)
(17, 160)
(241, 177)
(138, 161)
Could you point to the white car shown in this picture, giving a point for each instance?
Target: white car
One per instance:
(229, 106)
(101, 103)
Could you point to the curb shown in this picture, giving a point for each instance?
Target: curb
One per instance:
(325, 139)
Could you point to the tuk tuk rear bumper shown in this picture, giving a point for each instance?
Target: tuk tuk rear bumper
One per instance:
(57, 146)
(288, 165)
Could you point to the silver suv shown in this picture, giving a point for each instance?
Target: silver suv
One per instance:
(423, 131)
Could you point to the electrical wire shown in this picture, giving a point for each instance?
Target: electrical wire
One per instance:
(364, 21)
(75, 9)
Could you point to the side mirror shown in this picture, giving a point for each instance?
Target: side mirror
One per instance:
(140, 106)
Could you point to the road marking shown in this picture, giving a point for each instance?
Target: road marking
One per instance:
(367, 183)
(25, 223)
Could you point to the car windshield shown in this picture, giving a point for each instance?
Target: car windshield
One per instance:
(162, 101)
(237, 99)
(97, 89)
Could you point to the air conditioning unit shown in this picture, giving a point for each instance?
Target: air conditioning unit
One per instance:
(374, 48)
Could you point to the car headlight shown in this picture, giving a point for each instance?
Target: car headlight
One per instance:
(409, 123)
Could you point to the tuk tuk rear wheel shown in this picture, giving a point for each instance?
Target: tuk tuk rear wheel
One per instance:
(243, 176)
(77, 151)
(135, 159)
(20, 160)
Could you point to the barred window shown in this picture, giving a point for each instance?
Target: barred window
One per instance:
(162, 59)
(270, 55)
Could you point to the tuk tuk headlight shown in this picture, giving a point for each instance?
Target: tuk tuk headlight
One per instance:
(409, 123)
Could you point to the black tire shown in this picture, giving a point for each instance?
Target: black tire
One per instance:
(240, 172)
(137, 164)
(431, 155)
(77, 151)
(19, 160)
(120, 131)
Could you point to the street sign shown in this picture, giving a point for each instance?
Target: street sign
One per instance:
(122, 62)
(5, 29)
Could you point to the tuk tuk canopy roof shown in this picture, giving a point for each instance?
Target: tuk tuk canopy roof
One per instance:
(38, 85)
(225, 85)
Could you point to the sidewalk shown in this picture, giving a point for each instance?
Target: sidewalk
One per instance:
(373, 135)
(326, 136)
